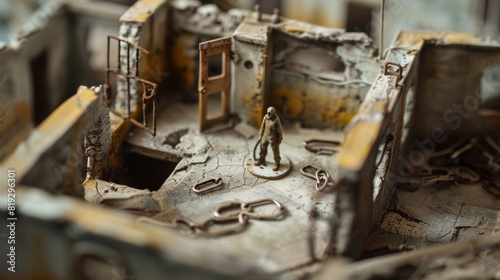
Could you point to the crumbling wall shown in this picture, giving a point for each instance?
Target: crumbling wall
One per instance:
(71, 232)
(321, 85)
(90, 24)
(46, 60)
(144, 24)
(34, 79)
(448, 98)
(378, 122)
(15, 109)
(317, 76)
(53, 157)
(193, 23)
(41, 50)
(247, 85)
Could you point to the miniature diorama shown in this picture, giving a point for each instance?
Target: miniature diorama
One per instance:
(249, 139)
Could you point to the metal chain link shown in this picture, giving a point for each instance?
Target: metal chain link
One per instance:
(223, 215)
(322, 177)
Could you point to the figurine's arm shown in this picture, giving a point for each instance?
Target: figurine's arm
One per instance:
(279, 130)
(261, 132)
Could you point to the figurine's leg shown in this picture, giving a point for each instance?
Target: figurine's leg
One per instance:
(276, 152)
(263, 153)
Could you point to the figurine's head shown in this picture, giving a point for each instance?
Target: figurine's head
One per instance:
(271, 112)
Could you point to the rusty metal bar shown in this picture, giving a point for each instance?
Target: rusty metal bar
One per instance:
(128, 76)
(399, 69)
(107, 93)
(145, 98)
(119, 63)
(136, 62)
(129, 43)
(128, 80)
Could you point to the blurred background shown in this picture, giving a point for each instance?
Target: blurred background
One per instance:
(57, 47)
(469, 16)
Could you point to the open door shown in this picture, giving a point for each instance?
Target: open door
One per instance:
(218, 83)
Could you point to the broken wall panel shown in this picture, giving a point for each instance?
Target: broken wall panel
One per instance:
(192, 24)
(89, 24)
(33, 67)
(248, 77)
(471, 259)
(381, 114)
(318, 83)
(138, 251)
(34, 80)
(436, 90)
(311, 74)
(449, 97)
(447, 107)
(42, 52)
(144, 24)
(15, 108)
(55, 155)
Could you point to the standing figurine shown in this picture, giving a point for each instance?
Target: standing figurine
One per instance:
(270, 133)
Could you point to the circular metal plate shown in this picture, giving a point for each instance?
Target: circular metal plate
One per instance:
(265, 171)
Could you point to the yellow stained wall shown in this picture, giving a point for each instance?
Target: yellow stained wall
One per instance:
(314, 106)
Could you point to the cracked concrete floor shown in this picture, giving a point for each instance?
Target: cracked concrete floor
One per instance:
(432, 216)
(272, 245)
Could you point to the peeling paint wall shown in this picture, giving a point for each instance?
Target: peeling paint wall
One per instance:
(314, 75)
(247, 80)
(311, 82)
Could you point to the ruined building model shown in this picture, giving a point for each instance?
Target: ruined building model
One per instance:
(130, 134)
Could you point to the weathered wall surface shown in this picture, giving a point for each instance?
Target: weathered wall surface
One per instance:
(448, 96)
(70, 230)
(193, 23)
(380, 118)
(144, 24)
(53, 157)
(44, 63)
(15, 108)
(321, 85)
(26, 99)
(248, 77)
(90, 24)
(42, 47)
(310, 74)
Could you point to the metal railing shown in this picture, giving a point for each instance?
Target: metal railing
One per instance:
(149, 88)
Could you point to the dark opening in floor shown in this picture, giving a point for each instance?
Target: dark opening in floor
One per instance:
(142, 172)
